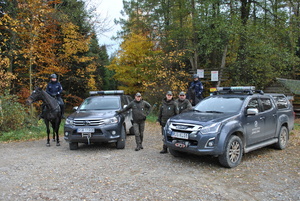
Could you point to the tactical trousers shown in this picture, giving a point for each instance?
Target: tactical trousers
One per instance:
(139, 132)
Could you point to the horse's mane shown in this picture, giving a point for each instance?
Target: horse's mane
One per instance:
(52, 102)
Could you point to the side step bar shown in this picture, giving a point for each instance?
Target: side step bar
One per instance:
(260, 145)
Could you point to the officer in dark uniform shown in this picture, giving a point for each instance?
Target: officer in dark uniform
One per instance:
(54, 89)
(168, 109)
(183, 103)
(140, 109)
(195, 90)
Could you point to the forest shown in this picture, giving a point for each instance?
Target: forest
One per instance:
(164, 42)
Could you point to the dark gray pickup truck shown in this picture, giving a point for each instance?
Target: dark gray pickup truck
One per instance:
(231, 122)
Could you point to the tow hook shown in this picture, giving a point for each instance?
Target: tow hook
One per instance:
(88, 136)
(180, 144)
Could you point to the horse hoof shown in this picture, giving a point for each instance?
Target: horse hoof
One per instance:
(57, 144)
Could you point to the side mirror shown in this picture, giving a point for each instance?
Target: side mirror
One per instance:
(252, 111)
(75, 108)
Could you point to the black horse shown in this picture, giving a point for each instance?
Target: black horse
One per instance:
(52, 113)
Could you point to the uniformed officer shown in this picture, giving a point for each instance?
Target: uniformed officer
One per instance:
(168, 109)
(55, 89)
(183, 103)
(195, 90)
(140, 109)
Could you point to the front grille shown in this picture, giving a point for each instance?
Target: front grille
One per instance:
(187, 128)
(94, 122)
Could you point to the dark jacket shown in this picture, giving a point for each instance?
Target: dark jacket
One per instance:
(184, 105)
(167, 110)
(196, 86)
(54, 88)
(140, 109)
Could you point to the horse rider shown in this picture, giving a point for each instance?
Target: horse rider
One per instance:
(195, 90)
(54, 89)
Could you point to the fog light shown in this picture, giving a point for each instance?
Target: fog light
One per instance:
(210, 142)
(113, 132)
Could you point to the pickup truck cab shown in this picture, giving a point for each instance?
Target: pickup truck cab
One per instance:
(233, 121)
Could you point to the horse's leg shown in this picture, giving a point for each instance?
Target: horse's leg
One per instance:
(53, 130)
(57, 124)
(48, 132)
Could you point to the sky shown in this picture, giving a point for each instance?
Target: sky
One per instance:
(110, 9)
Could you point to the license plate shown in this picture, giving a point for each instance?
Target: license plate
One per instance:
(86, 130)
(180, 135)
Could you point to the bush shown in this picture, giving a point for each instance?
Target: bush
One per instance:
(13, 114)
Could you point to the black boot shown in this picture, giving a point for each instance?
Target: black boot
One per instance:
(164, 150)
(138, 143)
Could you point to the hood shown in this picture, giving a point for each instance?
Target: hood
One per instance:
(92, 114)
(195, 117)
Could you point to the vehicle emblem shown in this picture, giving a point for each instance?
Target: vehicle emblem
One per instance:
(87, 123)
(181, 127)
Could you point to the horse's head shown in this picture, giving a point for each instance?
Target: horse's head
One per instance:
(35, 96)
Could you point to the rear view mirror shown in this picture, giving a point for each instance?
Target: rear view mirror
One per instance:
(252, 111)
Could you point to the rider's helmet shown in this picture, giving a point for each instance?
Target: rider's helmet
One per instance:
(53, 76)
(195, 76)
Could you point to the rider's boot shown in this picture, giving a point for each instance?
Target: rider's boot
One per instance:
(62, 108)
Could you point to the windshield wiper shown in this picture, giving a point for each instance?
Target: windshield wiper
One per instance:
(213, 111)
(198, 110)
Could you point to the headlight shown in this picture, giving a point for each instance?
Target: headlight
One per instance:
(168, 125)
(69, 121)
(112, 120)
(213, 128)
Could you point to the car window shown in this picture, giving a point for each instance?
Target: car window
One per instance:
(266, 103)
(281, 102)
(100, 103)
(253, 103)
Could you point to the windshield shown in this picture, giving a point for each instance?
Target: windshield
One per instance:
(100, 103)
(217, 104)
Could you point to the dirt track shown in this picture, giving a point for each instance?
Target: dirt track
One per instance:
(32, 171)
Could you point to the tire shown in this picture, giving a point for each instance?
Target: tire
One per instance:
(73, 145)
(233, 152)
(282, 138)
(121, 141)
(176, 153)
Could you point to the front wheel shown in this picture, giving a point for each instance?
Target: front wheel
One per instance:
(282, 138)
(122, 139)
(233, 152)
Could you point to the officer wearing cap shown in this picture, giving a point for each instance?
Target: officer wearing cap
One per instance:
(168, 109)
(183, 103)
(195, 90)
(140, 109)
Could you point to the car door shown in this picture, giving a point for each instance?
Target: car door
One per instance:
(254, 124)
(269, 116)
(128, 115)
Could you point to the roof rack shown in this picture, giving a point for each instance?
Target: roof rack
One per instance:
(250, 90)
(108, 92)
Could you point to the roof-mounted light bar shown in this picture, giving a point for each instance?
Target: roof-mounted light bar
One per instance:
(109, 92)
(237, 89)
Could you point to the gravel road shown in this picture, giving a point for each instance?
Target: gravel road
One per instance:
(31, 171)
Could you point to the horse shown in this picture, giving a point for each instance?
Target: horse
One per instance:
(52, 112)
